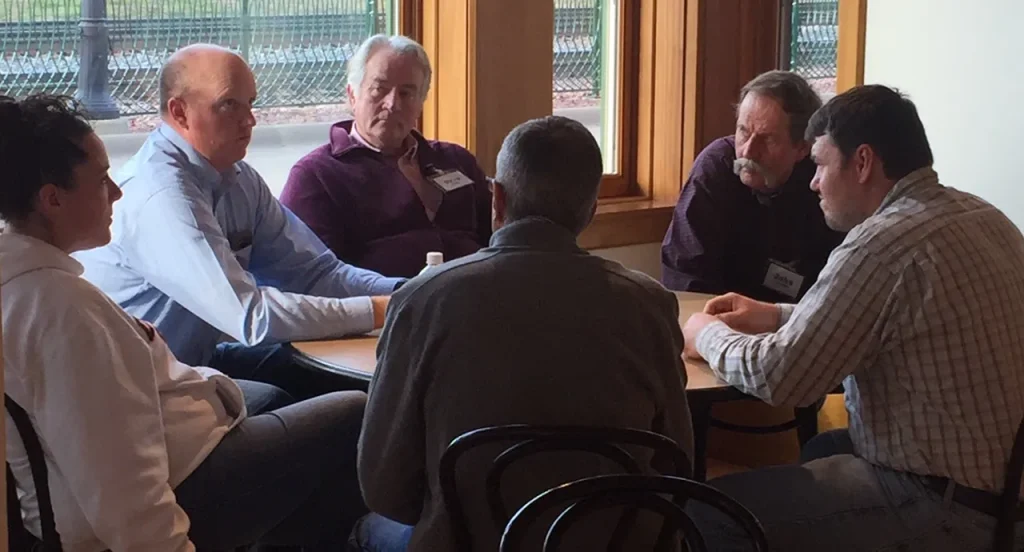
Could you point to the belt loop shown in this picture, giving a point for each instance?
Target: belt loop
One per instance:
(947, 498)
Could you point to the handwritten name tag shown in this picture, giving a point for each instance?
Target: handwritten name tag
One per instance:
(451, 180)
(783, 280)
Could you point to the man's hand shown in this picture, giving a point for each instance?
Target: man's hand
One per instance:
(380, 308)
(744, 314)
(694, 324)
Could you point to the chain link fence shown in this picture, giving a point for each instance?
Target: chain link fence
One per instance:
(815, 33)
(298, 49)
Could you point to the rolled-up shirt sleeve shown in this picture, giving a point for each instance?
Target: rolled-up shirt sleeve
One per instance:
(834, 330)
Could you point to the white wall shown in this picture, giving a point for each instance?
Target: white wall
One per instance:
(962, 63)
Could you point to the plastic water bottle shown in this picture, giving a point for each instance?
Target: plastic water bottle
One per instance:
(434, 260)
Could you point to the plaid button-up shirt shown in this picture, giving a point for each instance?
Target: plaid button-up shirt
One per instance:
(920, 313)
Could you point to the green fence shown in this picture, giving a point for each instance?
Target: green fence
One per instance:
(298, 49)
(815, 30)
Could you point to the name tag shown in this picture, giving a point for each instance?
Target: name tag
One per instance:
(451, 180)
(783, 280)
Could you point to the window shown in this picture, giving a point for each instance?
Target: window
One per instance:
(809, 42)
(298, 49)
(592, 78)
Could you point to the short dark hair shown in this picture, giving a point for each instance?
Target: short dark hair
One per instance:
(796, 97)
(551, 168)
(880, 117)
(40, 143)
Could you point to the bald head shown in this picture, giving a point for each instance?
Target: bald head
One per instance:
(207, 95)
(178, 75)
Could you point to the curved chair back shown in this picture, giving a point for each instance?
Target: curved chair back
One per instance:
(640, 491)
(18, 537)
(1009, 505)
(529, 440)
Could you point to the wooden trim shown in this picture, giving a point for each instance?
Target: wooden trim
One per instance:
(623, 182)
(682, 67)
(483, 86)
(627, 222)
(410, 19)
(853, 16)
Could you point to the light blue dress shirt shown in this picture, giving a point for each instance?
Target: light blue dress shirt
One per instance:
(209, 257)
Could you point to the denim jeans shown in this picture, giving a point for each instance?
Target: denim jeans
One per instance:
(274, 364)
(843, 503)
(285, 476)
(828, 443)
(376, 533)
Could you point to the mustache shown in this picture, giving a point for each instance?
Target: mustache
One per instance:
(743, 163)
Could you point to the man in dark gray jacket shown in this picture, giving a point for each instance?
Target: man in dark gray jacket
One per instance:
(531, 330)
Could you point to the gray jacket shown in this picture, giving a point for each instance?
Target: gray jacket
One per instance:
(529, 330)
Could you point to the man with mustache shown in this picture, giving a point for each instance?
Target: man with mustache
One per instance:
(203, 250)
(747, 220)
(379, 194)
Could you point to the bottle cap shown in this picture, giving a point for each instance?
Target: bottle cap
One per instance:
(435, 258)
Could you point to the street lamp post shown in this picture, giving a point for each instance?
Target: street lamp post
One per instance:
(93, 52)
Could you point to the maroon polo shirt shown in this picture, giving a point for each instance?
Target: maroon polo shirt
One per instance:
(364, 208)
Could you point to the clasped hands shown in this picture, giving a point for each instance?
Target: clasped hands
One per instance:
(740, 313)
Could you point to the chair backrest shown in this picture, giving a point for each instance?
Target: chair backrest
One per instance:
(1009, 509)
(529, 440)
(22, 539)
(641, 491)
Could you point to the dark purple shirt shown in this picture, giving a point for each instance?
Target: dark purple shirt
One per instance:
(368, 213)
(723, 237)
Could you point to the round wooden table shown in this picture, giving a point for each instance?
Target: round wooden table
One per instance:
(356, 357)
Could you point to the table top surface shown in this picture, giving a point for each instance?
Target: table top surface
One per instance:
(356, 356)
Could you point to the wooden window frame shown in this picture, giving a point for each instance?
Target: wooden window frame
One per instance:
(622, 183)
(682, 63)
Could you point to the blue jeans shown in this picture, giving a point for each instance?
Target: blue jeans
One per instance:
(274, 364)
(843, 503)
(285, 476)
(376, 533)
(829, 443)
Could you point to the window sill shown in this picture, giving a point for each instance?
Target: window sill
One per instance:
(627, 221)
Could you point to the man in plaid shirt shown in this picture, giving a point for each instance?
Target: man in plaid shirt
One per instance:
(920, 314)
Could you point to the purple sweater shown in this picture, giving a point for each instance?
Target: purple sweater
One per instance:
(367, 212)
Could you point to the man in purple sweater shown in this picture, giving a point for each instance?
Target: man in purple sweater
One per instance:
(379, 194)
(747, 220)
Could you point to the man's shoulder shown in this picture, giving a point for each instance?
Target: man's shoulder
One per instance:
(458, 272)
(452, 152)
(318, 159)
(712, 169)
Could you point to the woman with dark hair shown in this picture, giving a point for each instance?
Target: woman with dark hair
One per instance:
(142, 452)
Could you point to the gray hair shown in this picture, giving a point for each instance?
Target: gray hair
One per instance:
(551, 168)
(401, 44)
(793, 93)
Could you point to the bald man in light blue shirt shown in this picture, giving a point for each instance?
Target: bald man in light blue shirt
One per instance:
(203, 250)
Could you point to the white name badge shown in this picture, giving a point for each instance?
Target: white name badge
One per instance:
(451, 180)
(783, 280)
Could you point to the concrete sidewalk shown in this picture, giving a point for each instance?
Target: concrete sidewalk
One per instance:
(274, 148)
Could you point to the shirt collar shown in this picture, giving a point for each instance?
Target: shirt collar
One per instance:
(920, 178)
(536, 233)
(207, 172)
(345, 137)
